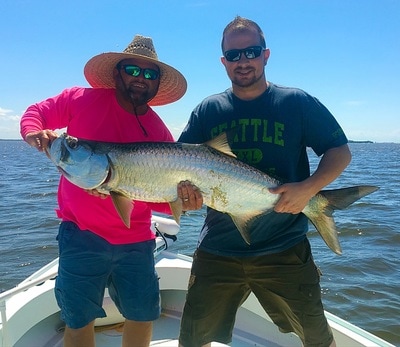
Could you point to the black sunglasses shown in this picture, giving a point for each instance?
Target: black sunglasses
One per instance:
(134, 70)
(251, 52)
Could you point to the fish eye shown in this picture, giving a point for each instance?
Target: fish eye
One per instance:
(72, 142)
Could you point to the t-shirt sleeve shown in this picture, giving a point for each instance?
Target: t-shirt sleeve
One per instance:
(322, 131)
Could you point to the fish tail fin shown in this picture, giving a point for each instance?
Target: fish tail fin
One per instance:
(321, 207)
(340, 199)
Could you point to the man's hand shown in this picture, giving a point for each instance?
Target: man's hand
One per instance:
(95, 192)
(190, 195)
(294, 197)
(41, 139)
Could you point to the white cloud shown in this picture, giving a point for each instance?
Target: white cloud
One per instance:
(176, 129)
(9, 124)
(4, 112)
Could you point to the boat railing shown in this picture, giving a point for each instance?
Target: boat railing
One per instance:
(26, 285)
(4, 297)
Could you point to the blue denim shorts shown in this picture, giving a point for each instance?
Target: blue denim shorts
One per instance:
(88, 264)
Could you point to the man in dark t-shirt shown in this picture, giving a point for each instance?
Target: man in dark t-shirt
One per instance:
(273, 127)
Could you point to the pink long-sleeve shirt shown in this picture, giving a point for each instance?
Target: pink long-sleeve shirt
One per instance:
(94, 114)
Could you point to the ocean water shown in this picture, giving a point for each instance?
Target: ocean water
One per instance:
(361, 286)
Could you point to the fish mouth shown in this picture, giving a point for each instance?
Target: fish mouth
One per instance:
(71, 178)
(63, 172)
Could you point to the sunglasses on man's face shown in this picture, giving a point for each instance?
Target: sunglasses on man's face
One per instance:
(135, 71)
(251, 52)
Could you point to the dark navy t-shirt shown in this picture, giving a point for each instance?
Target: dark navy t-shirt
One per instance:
(271, 133)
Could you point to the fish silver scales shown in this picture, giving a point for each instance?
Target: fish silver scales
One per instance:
(151, 171)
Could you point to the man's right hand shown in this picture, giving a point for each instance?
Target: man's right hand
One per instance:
(41, 139)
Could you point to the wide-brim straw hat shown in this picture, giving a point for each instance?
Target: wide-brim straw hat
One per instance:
(99, 70)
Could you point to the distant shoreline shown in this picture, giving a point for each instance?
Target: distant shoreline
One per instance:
(350, 141)
(353, 141)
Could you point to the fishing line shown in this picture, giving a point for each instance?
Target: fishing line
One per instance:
(137, 117)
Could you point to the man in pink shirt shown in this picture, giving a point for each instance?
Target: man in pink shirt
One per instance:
(95, 247)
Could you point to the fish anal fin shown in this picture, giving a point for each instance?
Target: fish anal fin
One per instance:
(221, 144)
(176, 208)
(124, 207)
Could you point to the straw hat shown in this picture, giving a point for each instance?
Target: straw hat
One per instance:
(99, 70)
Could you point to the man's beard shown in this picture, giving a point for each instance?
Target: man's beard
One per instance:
(138, 98)
(246, 82)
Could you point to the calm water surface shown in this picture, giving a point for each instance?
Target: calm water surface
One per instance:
(361, 286)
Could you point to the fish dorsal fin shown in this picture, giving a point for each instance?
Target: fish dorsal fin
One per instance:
(221, 144)
(124, 207)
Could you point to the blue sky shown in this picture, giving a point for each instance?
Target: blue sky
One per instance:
(344, 52)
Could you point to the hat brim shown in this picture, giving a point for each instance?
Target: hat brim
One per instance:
(99, 73)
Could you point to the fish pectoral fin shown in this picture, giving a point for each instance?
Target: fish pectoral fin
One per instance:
(124, 207)
(176, 208)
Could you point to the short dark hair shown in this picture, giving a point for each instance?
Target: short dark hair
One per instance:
(242, 24)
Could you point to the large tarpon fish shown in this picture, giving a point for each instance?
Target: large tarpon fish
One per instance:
(150, 171)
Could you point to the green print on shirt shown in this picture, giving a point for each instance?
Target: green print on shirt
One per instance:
(250, 155)
(337, 133)
(261, 130)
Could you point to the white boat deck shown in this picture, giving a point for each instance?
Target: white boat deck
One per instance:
(31, 317)
(165, 334)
